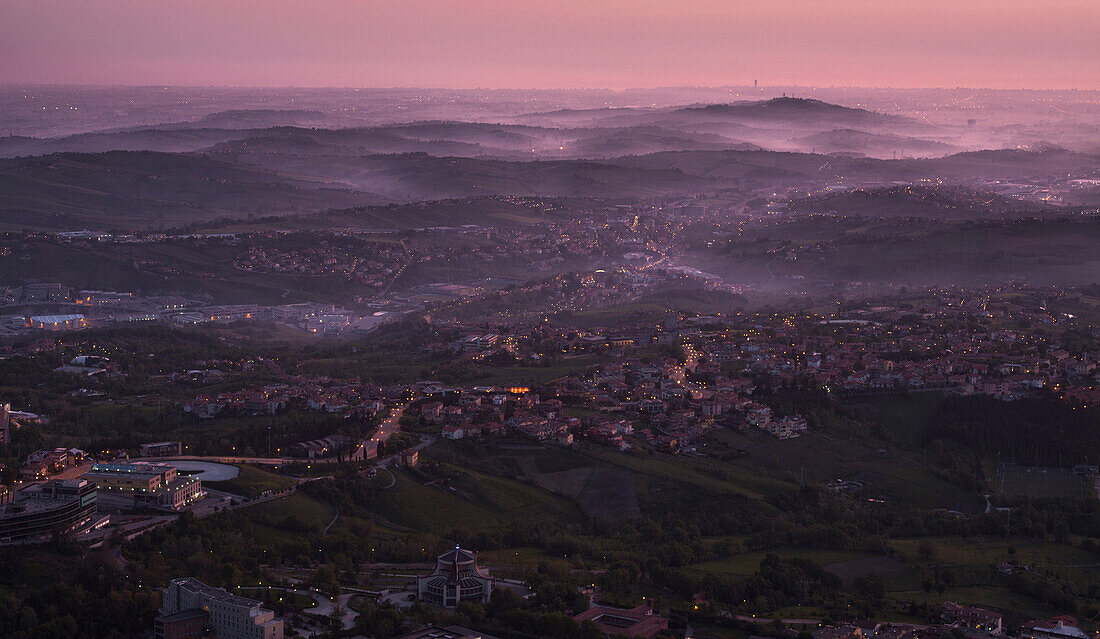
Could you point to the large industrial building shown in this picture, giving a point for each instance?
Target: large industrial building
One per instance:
(456, 578)
(57, 322)
(191, 609)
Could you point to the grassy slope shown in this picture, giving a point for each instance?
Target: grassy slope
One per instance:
(747, 563)
(478, 501)
(252, 481)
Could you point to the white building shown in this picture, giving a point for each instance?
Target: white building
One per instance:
(229, 616)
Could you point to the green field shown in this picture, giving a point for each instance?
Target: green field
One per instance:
(889, 472)
(742, 481)
(296, 504)
(977, 552)
(252, 481)
(747, 563)
(287, 519)
(903, 416)
(984, 596)
(473, 500)
(514, 561)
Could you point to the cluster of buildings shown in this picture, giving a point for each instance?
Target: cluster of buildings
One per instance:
(457, 578)
(41, 464)
(34, 293)
(953, 346)
(335, 447)
(53, 306)
(368, 263)
(71, 310)
(345, 396)
(651, 402)
(127, 485)
(47, 507)
(308, 316)
(961, 342)
(966, 621)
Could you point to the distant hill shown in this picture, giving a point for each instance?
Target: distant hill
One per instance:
(462, 139)
(308, 173)
(258, 118)
(480, 211)
(792, 110)
(874, 144)
(803, 113)
(418, 176)
(817, 251)
(143, 190)
(937, 202)
(640, 140)
(1008, 164)
(607, 116)
(165, 140)
(997, 165)
(436, 138)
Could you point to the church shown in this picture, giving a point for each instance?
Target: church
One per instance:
(456, 578)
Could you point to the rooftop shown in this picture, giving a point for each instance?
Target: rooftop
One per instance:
(55, 319)
(450, 632)
(217, 594)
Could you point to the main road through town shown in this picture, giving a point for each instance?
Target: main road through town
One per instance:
(389, 426)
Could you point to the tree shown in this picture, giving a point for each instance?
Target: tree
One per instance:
(589, 630)
(324, 579)
(871, 587)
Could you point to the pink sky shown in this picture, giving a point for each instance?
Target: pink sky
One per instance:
(554, 43)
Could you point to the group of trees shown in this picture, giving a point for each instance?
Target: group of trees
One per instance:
(776, 584)
(65, 592)
(1042, 430)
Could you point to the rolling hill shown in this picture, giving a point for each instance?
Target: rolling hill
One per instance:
(918, 201)
(143, 190)
(872, 144)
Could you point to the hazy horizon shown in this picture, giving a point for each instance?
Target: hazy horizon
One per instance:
(487, 43)
(627, 89)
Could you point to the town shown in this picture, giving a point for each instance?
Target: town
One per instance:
(714, 394)
(739, 360)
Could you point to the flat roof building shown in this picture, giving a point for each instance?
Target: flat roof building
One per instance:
(186, 624)
(57, 322)
(635, 622)
(450, 632)
(161, 449)
(227, 615)
(145, 484)
(56, 507)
